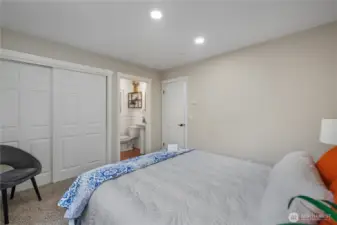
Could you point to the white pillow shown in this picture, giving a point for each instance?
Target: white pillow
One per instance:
(294, 175)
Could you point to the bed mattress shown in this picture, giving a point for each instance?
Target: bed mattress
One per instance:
(196, 188)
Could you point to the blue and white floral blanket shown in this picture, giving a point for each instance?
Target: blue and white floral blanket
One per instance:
(78, 195)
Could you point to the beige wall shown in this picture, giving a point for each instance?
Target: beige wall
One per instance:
(28, 44)
(264, 101)
(0, 37)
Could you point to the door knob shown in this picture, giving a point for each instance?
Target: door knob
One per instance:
(181, 125)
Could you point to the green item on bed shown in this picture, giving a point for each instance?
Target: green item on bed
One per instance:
(327, 207)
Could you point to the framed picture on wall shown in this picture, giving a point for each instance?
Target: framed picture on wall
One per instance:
(135, 100)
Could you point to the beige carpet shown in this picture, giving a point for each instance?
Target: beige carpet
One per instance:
(25, 209)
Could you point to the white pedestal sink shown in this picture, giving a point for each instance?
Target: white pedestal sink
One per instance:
(142, 137)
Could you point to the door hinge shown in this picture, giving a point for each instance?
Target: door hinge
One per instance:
(163, 144)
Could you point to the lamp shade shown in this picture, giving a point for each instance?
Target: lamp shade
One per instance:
(329, 131)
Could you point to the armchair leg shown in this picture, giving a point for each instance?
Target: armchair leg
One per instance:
(13, 192)
(5, 205)
(36, 188)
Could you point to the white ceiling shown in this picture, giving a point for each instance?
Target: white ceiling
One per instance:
(124, 30)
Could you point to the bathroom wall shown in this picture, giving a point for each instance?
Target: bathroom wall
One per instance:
(130, 116)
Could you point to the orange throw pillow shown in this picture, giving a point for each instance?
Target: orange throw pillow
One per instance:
(330, 222)
(327, 222)
(327, 166)
(333, 188)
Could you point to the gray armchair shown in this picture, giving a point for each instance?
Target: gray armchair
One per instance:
(25, 167)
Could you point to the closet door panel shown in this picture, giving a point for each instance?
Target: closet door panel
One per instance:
(25, 115)
(41, 149)
(79, 123)
(9, 101)
(67, 124)
(35, 114)
(94, 121)
(70, 155)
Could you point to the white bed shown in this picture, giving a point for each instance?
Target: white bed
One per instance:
(195, 188)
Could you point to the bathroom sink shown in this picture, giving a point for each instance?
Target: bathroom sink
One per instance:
(142, 126)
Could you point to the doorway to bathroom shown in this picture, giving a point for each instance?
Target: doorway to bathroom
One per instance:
(134, 117)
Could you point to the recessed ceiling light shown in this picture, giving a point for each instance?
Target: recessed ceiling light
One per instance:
(156, 14)
(199, 40)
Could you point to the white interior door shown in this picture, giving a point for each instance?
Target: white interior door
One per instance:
(9, 103)
(79, 123)
(25, 111)
(174, 110)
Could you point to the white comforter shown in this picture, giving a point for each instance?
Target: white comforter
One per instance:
(196, 188)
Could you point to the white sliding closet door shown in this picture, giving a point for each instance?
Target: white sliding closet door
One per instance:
(79, 123)
(25, 111)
